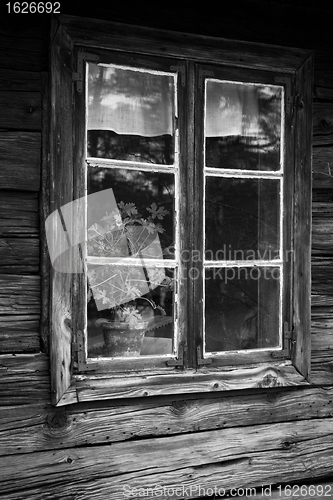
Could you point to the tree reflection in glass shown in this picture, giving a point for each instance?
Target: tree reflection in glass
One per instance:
(242, 126)
(242, 219)
(130, 114)
(237, 313)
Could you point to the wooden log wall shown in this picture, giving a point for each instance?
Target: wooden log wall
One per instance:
(97, 451)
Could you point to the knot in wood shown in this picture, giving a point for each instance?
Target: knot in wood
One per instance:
(287, 445)
(325, 124)
(269, 380)
(179, 406)
(272, 397)
(57, 421)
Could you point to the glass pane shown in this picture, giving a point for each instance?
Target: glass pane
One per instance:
(130, 213)
(242, 219)
(242, 308)
(130, 310)
(130, 114)
(242, 126)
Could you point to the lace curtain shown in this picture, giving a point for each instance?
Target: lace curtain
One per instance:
(137, 102)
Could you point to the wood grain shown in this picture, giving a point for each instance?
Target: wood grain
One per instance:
(19, 295)
(322, 278)
(94, 32)
(19, 313)
(25, 379)
(322, 124)
(19, 214)
(246, 456)
(19, 334)
(20, 160)
(322, 368)
(24, 44)
(322, 229)
(61, 180)
(301, 354)
(322, 167)
(20, 110)
(27, 81)
(103, 387)
(35, 427)
(19, 255)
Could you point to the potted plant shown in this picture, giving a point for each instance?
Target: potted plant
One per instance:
(120, 283)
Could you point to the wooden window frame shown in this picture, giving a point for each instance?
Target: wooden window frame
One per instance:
(74, 377)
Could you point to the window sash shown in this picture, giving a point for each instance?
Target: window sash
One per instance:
(195, 334)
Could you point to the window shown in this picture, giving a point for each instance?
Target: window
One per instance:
(179, 227)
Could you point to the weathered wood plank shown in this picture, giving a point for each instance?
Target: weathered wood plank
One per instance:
(247, 456)
(301, 354)
(24, 45)
(19, 255)
(262, 376)
(320, 325)
(19, 313)
(35, 428)
(44, 212)
(323, 71)
(319, 303)
(208, 49)
(26, 81)
(19, 333)
(322, 123)
(20, 110)
(19, 214)
(322, 167)
(61, 175)
(323, 342)
(321, 283)
(324, 92)
(322, 195)
(25, 379)
(19, 295)
(322, 368)
(322, 228)
(20, 160)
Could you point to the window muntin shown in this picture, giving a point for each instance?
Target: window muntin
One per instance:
(132, 195)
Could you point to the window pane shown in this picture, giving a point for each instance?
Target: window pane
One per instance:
(242, 308)
(130, 213)
(130, 114)
(242, 126)
(130, 310)
(242, 219)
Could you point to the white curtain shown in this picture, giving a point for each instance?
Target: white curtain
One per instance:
(130, 102)
(137, 102)
(231, 109)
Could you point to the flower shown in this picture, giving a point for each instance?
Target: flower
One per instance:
(125, 233)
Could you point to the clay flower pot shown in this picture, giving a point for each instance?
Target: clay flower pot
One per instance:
(121, 340)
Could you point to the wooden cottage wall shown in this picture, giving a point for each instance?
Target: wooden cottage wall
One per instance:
(94, 451)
